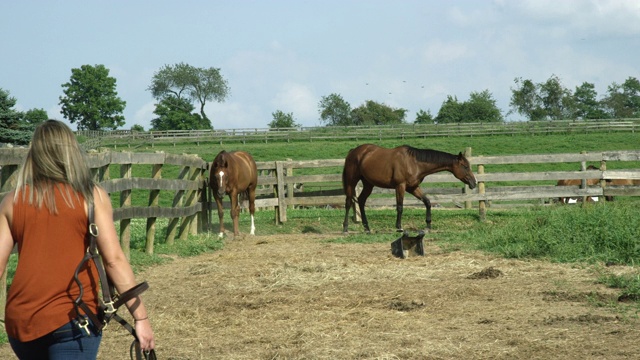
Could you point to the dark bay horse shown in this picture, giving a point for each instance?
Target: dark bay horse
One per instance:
(402, 168)
(234, 173)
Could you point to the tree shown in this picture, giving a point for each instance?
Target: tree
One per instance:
(184, 81)
(9, 117)
(137, 127)
(544, 101)
(424, 117)
(481, 106)
(176, 114)
(34, 117)
(373, 113)
(556, 99)
(91, 100)
(335, 111)
(282, 120)
(451, 111)
(623, 101)
(586, 104)
(12, 126)
(525, 100)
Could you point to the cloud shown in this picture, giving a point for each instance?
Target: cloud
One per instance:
(143, 115)
(439, 52)
(299, 100)
(595, 18)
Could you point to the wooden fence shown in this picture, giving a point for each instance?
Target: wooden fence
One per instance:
(183, 198)
(128, 138)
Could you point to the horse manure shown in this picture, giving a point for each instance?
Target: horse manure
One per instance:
(488, 273)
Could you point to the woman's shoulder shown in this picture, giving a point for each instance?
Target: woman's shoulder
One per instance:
(7, 202)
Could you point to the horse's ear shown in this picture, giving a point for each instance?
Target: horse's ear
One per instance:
(460, 156)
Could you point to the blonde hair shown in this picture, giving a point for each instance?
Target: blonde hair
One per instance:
(54, 159)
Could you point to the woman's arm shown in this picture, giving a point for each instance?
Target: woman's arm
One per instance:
(6, 239)
(117, 266)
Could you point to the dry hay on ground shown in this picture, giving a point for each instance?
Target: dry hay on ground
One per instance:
(300, 297)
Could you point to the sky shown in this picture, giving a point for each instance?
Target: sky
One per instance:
(287, 54)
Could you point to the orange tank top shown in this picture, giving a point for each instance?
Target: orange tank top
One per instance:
(50, 247)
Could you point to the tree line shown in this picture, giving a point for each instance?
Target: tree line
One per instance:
(90, 101)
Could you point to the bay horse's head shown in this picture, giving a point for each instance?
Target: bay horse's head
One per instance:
(219, 175)
(461, 169)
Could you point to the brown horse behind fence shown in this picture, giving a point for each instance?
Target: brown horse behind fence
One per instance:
(234, 173)
(593, 182)
(403, 169)
(578, 182)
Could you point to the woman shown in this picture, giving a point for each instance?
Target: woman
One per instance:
(46, 216)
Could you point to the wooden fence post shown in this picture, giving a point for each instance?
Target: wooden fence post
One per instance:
(125, 201)
(282, 202)
(154, 195)
(482, 204)
(290, 187)
(467, 204)
(178, 200)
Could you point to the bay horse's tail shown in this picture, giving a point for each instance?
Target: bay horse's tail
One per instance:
(345, 180)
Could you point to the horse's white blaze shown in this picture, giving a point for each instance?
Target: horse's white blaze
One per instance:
(253, 226)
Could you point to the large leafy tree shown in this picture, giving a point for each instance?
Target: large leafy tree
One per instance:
(424, 117)
(177, 114)
(90, 99)
(586, 103)
(373, 113)
(183, 81)
(282, 120)
(543, 101)
(481, 107)
(451, 111)
(526, 100)
(335, 111)
(623, 101)
(34, 117)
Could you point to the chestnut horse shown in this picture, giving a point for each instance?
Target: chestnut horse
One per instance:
(234, 173)
(402, 168)
(578, 182)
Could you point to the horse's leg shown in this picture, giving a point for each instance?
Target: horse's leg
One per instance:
(417, 192)
(235, 211)
(367, 188)
(220, 215)
(399, 206)
(252, 208)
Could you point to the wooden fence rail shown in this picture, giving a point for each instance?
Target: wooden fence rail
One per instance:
(128, 138)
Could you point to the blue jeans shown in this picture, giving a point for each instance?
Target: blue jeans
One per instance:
(68, 342)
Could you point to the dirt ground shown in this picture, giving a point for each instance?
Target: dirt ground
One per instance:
(299, 297)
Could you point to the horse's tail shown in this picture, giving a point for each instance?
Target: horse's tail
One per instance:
(345, 180)
(244, 196)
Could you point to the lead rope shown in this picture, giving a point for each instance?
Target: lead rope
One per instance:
(108, 307)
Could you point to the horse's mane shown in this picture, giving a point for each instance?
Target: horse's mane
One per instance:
(430, 155)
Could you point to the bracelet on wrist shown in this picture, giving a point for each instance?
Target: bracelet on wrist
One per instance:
(141, 319)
